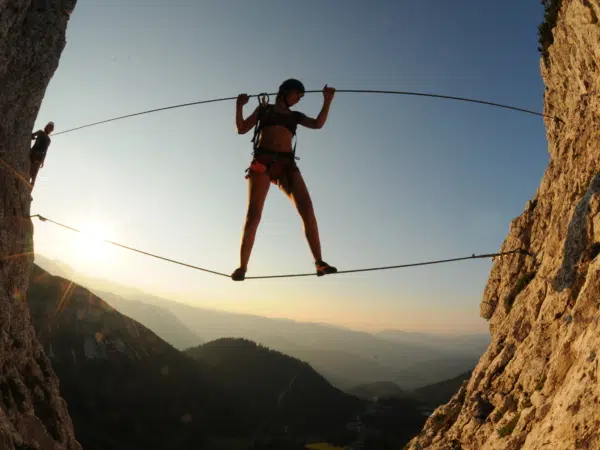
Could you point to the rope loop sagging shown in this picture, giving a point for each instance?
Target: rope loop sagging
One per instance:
(261, 96)
(295, 275)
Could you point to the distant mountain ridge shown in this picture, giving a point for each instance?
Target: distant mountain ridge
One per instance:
(344, 357)
(127, 389)
(160, 320)
(466, 344)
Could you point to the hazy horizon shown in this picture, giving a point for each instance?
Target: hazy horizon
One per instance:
(374, 331)
(394, 179)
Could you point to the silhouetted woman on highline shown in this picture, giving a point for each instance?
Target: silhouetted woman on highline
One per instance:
(274, 162)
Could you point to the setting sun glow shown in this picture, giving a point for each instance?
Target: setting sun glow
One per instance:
(89, 245)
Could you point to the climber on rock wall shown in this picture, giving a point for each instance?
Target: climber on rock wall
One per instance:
(37, 154)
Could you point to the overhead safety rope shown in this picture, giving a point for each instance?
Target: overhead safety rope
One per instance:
(366, 91)
(295, 275)
(262, 97)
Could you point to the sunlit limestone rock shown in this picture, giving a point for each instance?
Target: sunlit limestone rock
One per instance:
(536, 387)
(32, 413)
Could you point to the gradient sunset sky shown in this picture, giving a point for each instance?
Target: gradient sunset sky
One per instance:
(394, 179)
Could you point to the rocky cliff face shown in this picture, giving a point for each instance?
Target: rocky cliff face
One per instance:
(32, 413)
(536, 387)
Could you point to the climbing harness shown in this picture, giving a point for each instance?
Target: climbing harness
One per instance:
(275, 158)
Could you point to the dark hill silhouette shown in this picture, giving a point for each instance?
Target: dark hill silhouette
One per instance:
(440, 393)
(160, 320)
(284, 391)
(291, 396)
(370, 391)
(125, 387)
(345, 357)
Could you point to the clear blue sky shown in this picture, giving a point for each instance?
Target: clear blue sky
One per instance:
(394, 179)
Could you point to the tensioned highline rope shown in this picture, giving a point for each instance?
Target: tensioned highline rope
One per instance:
(295, 275)
(366, 91)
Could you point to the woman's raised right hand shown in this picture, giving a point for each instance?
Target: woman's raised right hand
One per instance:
(242, 99)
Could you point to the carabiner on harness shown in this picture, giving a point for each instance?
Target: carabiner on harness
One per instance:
(263, 101)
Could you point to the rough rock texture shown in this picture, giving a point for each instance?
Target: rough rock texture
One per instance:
(32, 413)
(537, 387)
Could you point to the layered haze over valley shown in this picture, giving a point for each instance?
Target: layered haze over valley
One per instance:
(345, 357)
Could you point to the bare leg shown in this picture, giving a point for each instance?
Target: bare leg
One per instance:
(301, 199)
(258, 187)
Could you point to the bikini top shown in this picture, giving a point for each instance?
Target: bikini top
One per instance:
(269, 117)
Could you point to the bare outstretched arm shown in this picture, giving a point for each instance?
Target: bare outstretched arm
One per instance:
(318, 123)
(244, 125)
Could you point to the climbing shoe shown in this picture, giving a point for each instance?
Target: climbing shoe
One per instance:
(239, 274)
(323, 268)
